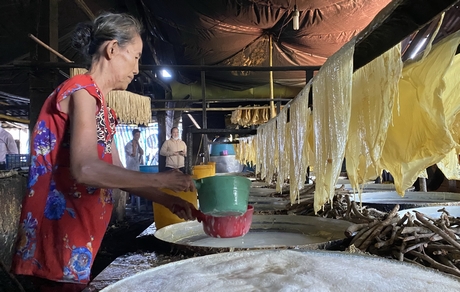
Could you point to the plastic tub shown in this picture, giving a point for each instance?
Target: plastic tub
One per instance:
(222, 149)
(148, 168)
(226, 195)
(202, 171)
(163, 216)
(229, 226)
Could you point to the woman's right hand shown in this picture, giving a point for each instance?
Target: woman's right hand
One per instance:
(176, 181)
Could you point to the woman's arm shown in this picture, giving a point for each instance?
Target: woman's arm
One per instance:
(156, 195)
(87, 168)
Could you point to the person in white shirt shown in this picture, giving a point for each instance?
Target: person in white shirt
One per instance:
(175, 151)
(7, 146)
(134, 152)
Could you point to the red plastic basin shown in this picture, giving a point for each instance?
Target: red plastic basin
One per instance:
(228, 226)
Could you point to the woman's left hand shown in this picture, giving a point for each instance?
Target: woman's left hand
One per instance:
(183, 209)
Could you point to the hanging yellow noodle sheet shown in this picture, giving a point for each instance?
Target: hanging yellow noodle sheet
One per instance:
(260, 155)
(451, 100)
(267, 150)
(420, 136)
(375, 88)
(283, 150)
(301, 153)
(331, 117)
(271, 148)
(246, 150)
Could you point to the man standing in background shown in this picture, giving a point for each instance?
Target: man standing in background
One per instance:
(7, 146)
(134, 152)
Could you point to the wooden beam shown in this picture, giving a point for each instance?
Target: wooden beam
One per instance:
(53, 52)
(207, 109)
(82, 5)
(399, 19)
(54, 28)
(13, 119)
(8, 107)
(197, 68)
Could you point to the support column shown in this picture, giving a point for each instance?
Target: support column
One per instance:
(205, 118)
(44, 25)
(161, 119)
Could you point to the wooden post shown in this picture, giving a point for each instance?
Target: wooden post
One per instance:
(161, 119)
(205, 117)
(422, 183)
(452, 186)
(42, 81)
(189, 160)
(272, 96)
(54, 29)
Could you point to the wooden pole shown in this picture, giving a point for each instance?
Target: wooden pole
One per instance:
(10, 118)
(209, 108)
(422, 183)
(49, 48)
(272, 103)
(54, 29)
(85, 9)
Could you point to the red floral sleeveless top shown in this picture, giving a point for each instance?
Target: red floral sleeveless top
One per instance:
(62, 223)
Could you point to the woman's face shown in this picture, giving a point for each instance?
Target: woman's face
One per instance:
(126, 63)
(175, 133)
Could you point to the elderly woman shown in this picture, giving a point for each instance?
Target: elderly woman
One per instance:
(75, 164)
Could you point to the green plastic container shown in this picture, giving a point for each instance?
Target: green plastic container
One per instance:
(224, 195)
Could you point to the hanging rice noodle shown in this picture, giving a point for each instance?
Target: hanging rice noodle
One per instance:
(420, 135)
(271, 149)
(77, 71)
(283, 151)
(246, 150)
(261, 154)
(300, 128)
(375, 88)
(131, 108)
(331, 116)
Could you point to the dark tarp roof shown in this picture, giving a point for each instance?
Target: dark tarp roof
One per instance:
(237, 33)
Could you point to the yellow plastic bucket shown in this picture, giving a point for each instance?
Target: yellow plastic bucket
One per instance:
(213, 163)
(163, 216)
(202, 171)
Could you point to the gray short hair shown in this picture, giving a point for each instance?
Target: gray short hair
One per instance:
(89, 36)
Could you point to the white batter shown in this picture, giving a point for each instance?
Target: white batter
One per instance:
(287, 270)
(257, 240)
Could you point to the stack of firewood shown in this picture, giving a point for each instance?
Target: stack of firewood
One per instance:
(414, 238)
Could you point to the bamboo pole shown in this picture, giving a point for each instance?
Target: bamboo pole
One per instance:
(49, 48)
(10, 118)
(85, 8)
(210, 108)
(272, 103)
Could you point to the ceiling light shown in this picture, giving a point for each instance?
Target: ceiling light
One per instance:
(295, 18)
(419, 47)
(194, 121)
(165, 74)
